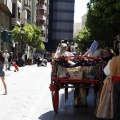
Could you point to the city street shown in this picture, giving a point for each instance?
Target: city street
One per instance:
(29, 97)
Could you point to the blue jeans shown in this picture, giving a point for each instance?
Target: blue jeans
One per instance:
(9, 64)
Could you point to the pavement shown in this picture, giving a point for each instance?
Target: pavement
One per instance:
(24, 92)
(29, 97)
(8, 72)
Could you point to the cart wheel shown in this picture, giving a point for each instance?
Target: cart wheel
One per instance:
(55, 98)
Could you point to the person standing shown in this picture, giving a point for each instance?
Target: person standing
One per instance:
(10, 59)
(2, 73)
(115, 77)
(105, 105)
(113, 69)
(106, 56)
(6, 55)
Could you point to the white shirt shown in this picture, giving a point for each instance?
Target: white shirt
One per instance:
(107, 69)
(6, 55)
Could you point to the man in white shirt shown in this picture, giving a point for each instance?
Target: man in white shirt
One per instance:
(6, 55)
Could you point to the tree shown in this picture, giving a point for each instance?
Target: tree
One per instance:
(16, 33)
(103, 19)
(83, 39)
(32, 36)
(37, 38)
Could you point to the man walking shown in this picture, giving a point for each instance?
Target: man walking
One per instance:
(6, 55)
(10, 59)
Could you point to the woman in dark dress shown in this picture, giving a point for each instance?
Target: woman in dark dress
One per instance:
(2, 73)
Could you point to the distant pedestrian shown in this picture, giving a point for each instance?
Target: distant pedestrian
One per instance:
(10, 59)
(106, 56)
(6, 55)
(2, 73)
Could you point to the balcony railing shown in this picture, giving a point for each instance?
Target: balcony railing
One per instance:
(39, 6)
(41, 17)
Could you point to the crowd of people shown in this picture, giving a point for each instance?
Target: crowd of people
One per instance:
(6, 61)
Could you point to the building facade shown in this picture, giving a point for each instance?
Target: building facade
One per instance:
(15, 13)
(42, 18)
(77, 28)
(5, 18)
(61, 21)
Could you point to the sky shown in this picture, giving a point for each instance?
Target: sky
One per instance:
(80, 10)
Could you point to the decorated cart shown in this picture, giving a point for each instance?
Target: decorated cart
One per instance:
(81, 76)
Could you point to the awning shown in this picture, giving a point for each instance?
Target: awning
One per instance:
(6, 35)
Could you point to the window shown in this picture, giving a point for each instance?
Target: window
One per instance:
(2, 20)
(18, 13)
(13, 10)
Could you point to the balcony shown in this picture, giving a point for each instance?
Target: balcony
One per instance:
(27, 8)
(6, 5)
(15, 21)
(39, 6)
(41, 17)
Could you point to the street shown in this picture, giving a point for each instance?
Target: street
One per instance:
(29, 97)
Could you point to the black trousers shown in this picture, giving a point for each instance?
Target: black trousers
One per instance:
(116, 100)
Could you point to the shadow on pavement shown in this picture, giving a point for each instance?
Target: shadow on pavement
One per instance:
(67, 111)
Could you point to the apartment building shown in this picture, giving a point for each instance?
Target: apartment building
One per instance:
(77, 28)
(42, 12)
(61, 21)
(12, 13)
(5, 17)
(23, 12)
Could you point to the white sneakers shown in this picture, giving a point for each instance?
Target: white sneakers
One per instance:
(5, 93)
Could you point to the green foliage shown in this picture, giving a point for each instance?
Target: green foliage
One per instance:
(16, 33)
(28, 35)
(32, 36)
(83, 39)
(103, 19)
